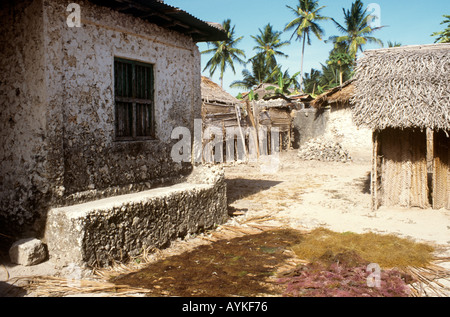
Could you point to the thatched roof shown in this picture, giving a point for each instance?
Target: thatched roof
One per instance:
(218, 106)
(213, 93)
(403, 87)
(339, 95)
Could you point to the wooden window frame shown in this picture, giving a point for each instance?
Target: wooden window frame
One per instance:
(134, 101)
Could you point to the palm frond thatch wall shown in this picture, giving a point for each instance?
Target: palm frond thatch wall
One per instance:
(403, 87)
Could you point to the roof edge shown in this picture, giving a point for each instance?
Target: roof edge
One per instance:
(410, 47)
(169, 17)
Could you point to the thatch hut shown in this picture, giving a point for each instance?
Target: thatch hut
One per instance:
(220, 110)
(401, 93)
(271, 109)
(276, 113)
(218, 106)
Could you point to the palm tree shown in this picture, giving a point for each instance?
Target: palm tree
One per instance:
(264, 66)
(443, 36)
(357, 31)
(225, 52)
(262, 71)
(340, 57)
(393, 44)
(269, 44)
(306, 22)
(329, 76)
(285, 83)
(337, 69)
(311, 81)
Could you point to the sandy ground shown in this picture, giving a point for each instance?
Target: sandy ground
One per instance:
(308, 194)
(304, 195)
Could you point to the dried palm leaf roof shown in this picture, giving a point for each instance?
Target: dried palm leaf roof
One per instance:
(338, 95)
(213, 93)
(403, 87)
(218, 106)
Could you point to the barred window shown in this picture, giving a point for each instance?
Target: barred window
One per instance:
(134, 104)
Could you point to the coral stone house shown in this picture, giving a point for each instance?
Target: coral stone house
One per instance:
(340, 124)
(90, 93)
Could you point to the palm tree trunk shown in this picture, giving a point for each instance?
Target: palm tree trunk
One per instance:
(221, 78)
(301, 66)
(222, 71)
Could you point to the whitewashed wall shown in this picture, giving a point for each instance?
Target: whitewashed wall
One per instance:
(340, 128)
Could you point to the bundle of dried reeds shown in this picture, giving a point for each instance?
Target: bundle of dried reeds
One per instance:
(49, 286)
(432, 281)
(403, 87)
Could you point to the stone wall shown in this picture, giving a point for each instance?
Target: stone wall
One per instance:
(23, 108)
(97, 233)
(334, 124)
(92, 158)
(308, 123)
(340, 128)
(57, 100)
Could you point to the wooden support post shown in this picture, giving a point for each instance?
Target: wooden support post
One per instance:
(281, 141)
(289, 137)
(252, 120)
(238, 118)
(374, 174)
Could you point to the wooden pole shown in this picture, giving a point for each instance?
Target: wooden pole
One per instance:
(374, 176)
(252, 120)
(238, 118)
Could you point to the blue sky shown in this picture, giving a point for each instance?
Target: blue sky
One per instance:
(409, 22)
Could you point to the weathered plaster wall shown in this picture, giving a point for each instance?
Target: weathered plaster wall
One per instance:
(24, 186)
(92, 158)
(307, 124)
(340, 127)
(335, 124)
(58, 141)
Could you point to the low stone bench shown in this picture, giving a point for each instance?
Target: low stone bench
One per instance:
(115, 228)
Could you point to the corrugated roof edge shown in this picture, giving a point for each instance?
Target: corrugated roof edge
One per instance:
(165, 15)
(214, 25)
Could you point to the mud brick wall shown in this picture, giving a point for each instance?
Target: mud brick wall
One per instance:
(57, 107)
